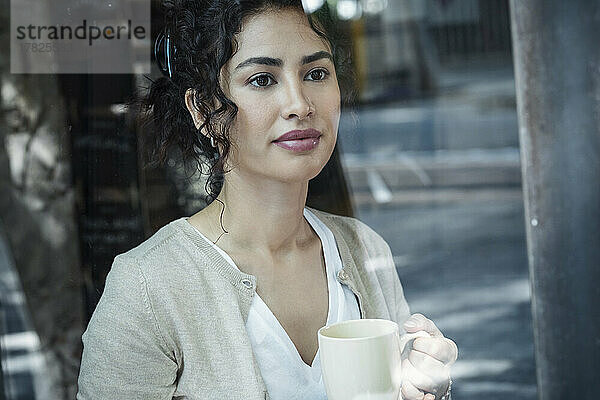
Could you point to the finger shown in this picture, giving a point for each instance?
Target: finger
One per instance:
(410, 392)
(435, 369)
(442, 349)
(417, 378)
(429, 396)
(454, 352)
(418, 322)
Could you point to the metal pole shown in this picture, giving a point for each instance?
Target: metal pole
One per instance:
(557, 73)
(2, 332)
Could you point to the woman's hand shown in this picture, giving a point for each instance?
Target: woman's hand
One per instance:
(426, 371)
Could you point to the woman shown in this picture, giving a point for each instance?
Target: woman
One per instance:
(226, 304)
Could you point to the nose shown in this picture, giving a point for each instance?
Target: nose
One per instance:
(297, 103)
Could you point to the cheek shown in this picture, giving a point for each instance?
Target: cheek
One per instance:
(251, 122)
(332, 103)
(257, 115)
(332, 111)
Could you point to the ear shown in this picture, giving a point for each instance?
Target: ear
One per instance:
(189, 102)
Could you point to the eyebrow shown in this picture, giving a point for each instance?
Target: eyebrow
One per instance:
(278, 62)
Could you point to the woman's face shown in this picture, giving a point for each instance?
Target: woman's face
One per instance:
(281, 78)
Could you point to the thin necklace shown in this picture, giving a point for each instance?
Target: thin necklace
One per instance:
(221, 221)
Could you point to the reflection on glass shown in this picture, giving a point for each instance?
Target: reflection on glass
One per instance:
(428, 156)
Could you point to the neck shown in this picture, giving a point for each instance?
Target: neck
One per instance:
(265, 219)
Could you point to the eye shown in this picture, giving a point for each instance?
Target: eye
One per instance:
(315, 73)
(262, 80)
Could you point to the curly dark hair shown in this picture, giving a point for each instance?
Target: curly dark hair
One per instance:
(202, 40)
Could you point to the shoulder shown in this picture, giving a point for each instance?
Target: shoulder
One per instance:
(167, 249)
(133, 267)
(157, 242)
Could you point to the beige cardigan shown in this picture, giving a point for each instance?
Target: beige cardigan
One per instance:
(171, 321)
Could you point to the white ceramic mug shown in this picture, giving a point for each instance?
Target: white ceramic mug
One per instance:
(361, 359)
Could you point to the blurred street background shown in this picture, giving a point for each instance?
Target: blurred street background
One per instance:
(454, 220)
(428, 157)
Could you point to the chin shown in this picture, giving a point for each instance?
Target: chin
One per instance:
(313, 172)
(305, 172)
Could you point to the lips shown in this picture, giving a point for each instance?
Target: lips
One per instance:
(299, 134)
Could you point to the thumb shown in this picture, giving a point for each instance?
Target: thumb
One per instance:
(414, 323)
(418, 322)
